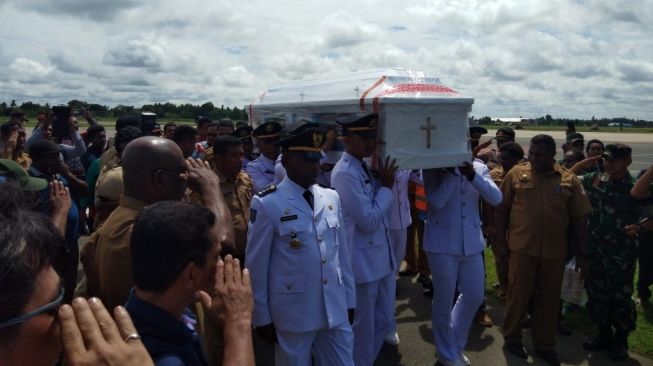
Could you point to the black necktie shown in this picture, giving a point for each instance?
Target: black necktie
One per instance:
(308, 196)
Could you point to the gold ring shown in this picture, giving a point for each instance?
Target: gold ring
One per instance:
(132, 336)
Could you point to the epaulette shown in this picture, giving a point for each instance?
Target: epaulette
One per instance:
(269, 189)
(325, 186)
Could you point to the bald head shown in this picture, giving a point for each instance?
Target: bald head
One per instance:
(151, 169)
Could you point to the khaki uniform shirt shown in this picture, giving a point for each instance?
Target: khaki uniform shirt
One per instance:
(542, 207)
(107, 260)
(497, 174)
(238, 196)
(109, 159)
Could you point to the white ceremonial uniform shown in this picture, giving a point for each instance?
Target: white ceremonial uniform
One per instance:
(454, 244)
(301, 274)
(261, 170)
(400, 218)
(366, 205)
(279, 170)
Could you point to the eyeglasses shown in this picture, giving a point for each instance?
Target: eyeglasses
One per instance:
(50, 309)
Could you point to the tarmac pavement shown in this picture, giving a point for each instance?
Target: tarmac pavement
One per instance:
(484, 347)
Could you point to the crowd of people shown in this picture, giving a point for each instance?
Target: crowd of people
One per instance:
(197, 239)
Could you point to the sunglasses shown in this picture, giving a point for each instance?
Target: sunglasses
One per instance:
(50, 309)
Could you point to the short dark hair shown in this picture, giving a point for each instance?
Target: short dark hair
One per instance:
(545, 140)
(222, 144)
(166, 237)
(594, 141)
(201, 120)
(93, 131)
(576, 154)
(125, 135)
(6, 128)
(30, 243)
(128, 120)
(184, 132)
(514, 149)
(169, 124)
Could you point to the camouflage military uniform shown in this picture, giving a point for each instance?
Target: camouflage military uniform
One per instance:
(611, 253)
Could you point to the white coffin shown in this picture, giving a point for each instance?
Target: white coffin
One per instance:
(411, 107)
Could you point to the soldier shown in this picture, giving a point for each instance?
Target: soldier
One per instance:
(612, 253)
(301, 273)
(366, 202)
(261, 170)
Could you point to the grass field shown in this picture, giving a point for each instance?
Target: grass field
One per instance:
(640, 341)
(581, 129)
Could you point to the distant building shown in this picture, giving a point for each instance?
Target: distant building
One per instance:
(512, 121)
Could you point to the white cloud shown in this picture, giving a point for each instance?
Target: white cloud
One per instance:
(564, 58)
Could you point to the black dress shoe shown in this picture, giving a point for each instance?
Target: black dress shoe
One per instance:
(407, 273)
(427, 283)
(516, 349)
(562, 329)
(550, 356)
(422, 277)
(428, 293)
(618, 353)
(599, 343)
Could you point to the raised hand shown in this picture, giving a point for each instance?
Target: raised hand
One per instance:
(91, 337)
(387, 170)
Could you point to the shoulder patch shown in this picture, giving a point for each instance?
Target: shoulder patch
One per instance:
(269, 189)
(325, 186)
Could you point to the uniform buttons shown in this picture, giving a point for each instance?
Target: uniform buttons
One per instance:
(370, 243)
(323, 260)
(319, 238)
(464, 204)
(288, 287)
(463, 217)
(325, 282)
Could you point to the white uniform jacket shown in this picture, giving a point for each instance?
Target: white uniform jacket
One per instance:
(261, 170)
(366, 205)
(453, 224)
(299, 259)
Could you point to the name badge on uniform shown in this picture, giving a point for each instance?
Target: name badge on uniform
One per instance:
(288, 218)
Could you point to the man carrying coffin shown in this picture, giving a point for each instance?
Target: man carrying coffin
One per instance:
(454, 245)
(301, 272)
(366, 203)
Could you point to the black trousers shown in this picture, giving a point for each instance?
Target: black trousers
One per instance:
(645, 279)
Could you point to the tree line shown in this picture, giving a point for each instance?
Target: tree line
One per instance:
(548, 120)
(163, 110)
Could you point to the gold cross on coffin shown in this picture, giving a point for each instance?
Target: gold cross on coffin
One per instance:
(428, 128)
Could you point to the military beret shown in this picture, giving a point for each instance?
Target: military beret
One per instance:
(10, 169)
(617, 151)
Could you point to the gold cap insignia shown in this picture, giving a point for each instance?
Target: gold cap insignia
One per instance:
(317, 139)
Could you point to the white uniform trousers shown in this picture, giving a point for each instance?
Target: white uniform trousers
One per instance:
(330, 347)
(451, 326)
(374, 318)
(399, 238)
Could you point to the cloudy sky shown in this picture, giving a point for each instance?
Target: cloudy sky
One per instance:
(578, 58)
